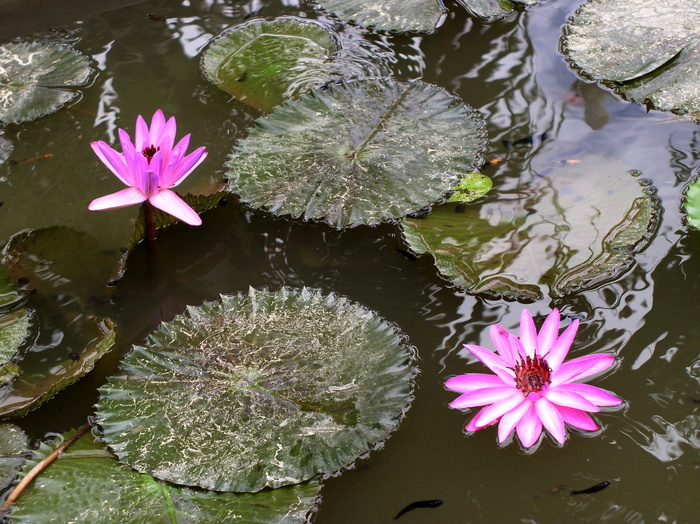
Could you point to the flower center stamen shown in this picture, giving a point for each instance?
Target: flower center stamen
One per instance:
(532, 374)
(149, 151)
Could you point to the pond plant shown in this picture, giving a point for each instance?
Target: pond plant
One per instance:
(233, 372)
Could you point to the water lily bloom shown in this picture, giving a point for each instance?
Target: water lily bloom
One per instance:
(533, 386)
(150, 166)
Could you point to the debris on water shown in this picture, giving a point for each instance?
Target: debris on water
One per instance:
(593, 489)
(420, 504)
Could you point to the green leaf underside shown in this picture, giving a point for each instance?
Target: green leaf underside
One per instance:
(37, 79)
(387, 15)
(494, 9)
(568, 231)
(471, 187)
(692, 204)
(649, 51)
(258, 390)
(361, 153)
(88, 484)
(14, 445)
(266, 62)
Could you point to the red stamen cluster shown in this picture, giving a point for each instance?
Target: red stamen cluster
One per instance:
(532, 374)
(149, 151)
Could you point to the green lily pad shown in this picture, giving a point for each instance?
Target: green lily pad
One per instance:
(361, 153)
(88, 484)
(471, 187)
(388, 15)
(14, 448)
(266, 62)
(691, 204)
(648, 52)
(494, 9)
(14, 325)
(37, 79)
(568, 231)
(258, 390)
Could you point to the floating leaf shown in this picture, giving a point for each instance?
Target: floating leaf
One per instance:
(471, 187)
(692, 204)
(87, 484)
(267, 389)
(266, 62)
(361, 153)
(388, 15)
(650, 51)
(36, 79)
(494, 9)
(14, 447)
(14, 325)
(567, 231)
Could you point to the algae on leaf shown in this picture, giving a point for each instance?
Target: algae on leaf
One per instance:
(648, 51)
(360, 153)
(37, 79)
(88, 484)
(260, 390)
(570, 230)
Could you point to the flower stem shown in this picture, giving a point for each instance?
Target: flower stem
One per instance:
(150, 222)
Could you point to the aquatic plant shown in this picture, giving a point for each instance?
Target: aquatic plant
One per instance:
(150, 166)
(533, 386)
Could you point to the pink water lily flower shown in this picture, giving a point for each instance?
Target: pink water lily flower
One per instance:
(150, 166)
(533, 386)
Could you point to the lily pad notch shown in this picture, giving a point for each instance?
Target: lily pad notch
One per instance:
(260, 390)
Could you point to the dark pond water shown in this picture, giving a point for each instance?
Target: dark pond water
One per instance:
(513, 73)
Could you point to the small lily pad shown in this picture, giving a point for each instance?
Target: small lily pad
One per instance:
(494, 9)
(568, 231)
(14, 448)
(258, 390)
(360, 153)
(471, 187)
(14, 325)
(692, 204)
(266, 62)
(388, 15)
(649, 52)
(37, 79)
(88, 484)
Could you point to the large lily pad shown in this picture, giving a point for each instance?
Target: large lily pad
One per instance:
(494, 9)
(88, 484)
(258, 390)
(14, 448)
(560, 233)
(649, 51)
(37, 79)
(388, 15)
(361, 153)
(266, 62)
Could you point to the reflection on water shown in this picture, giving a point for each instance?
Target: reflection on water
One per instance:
(513, 73)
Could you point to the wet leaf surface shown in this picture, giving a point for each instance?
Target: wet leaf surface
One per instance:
(387, 15)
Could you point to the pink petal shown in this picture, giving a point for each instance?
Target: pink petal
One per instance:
(114, 161)
(155, 131)
(500, 337)
(491, 413)
(517, 348)
(125, 197)
(167, 136)
(529, 428)
(510, 420)
(494, 362)
(548, 333)
(169, 202)
(470, 425)
(551, 419)
(141, 136)
(577, 418)
(187, 165)
(561, 347)
(528, 333)
(481, 397)
(581, 367)
(571, 399)
(472, 381)
(593, 394)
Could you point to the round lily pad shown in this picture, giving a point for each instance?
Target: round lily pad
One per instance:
(691, 204)
(388, 15)
(648, 51)
(266, 62)
(14, 448)
(570, 230)
(259, 390)
(37, 79)
(88, 484)
(360, 153)
(494, 9)
(15, 321)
